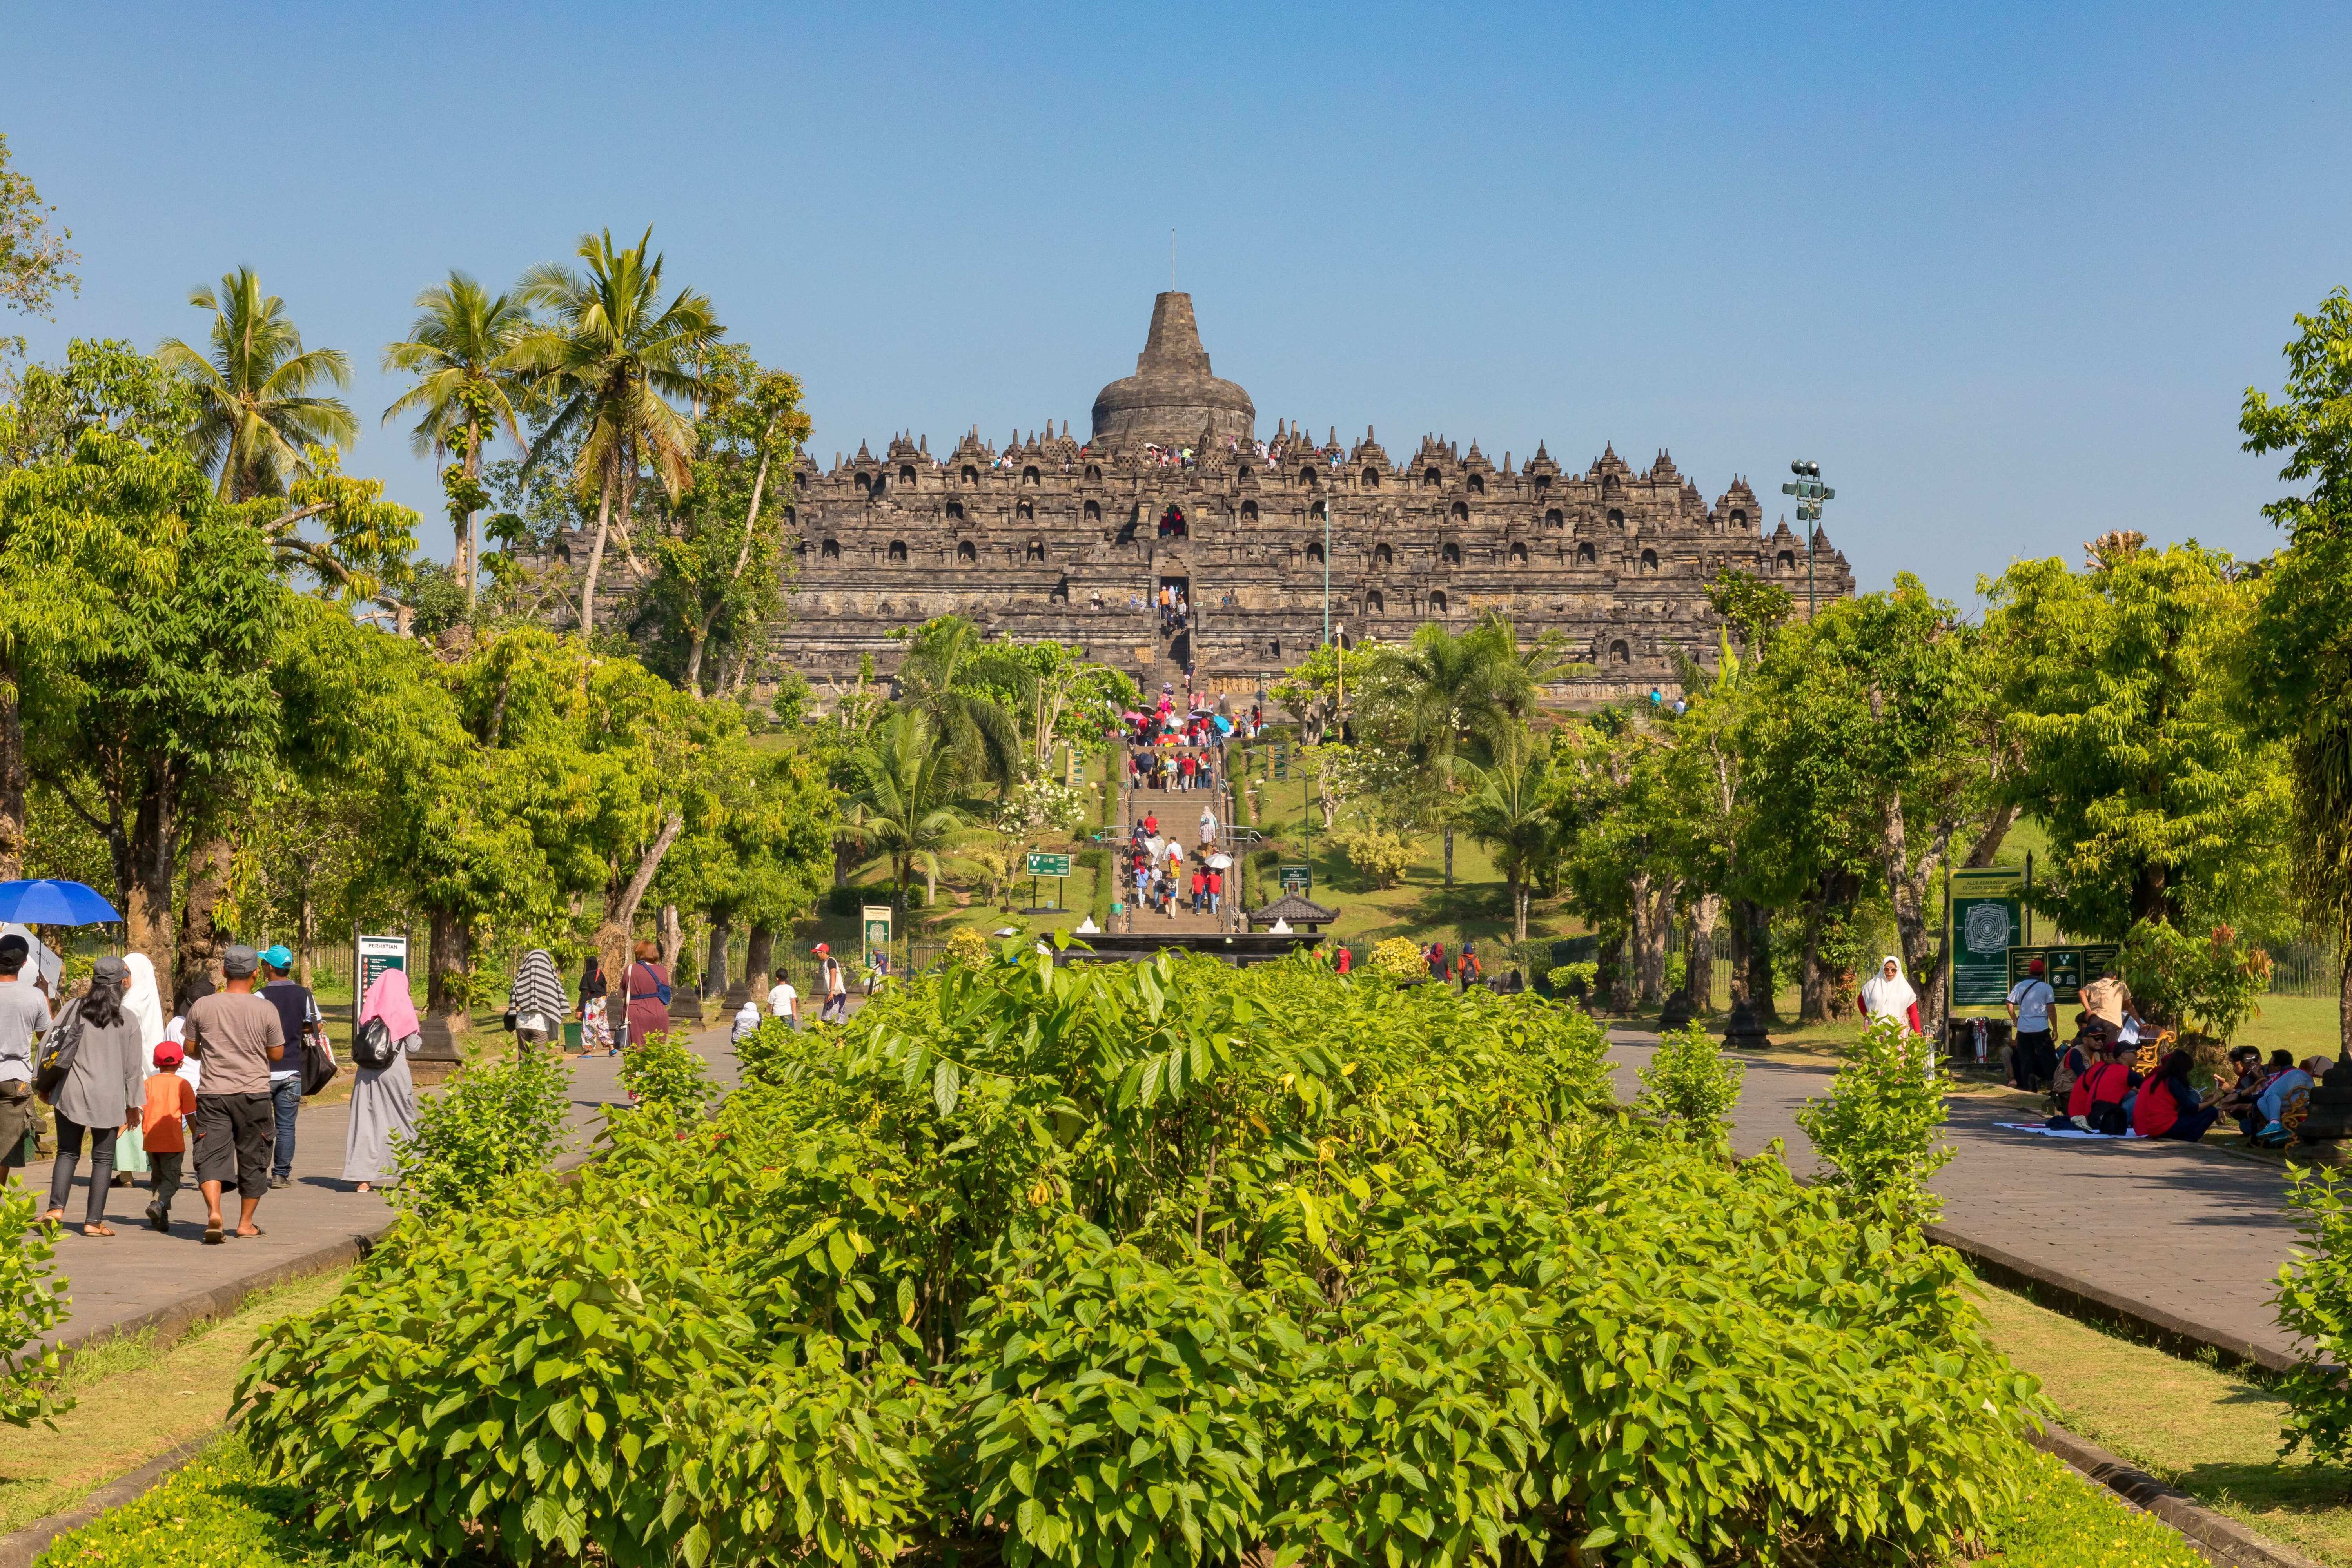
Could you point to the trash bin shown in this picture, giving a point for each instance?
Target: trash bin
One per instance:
(571, 1036)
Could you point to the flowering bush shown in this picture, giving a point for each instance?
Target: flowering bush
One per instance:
(1398, 957)
(1039, 803)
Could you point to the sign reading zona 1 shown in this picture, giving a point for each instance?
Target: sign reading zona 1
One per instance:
(1299, 880)
(1049, 864)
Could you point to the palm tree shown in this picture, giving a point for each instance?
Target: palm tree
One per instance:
(609, 365)
(254, 389)
(904, 809)
(946, 673)
(1511, 814)
(462, 351)
(1452, 693)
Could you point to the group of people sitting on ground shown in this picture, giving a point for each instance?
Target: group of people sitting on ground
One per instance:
(2104, 1093)
(2270, 1099)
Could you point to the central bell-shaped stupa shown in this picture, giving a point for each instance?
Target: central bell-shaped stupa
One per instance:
(1171, 397)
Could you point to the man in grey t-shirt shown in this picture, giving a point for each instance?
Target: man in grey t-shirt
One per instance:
(24, 1018)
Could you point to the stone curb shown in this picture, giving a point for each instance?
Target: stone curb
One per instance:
(2180, 1336)
(2222, 1540)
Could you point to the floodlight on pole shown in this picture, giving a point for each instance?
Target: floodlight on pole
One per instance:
(1810, 492)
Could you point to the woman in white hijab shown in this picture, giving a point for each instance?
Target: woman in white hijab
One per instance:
(143, 1002)
(1887, 994)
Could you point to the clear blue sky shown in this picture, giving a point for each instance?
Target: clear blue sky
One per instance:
(2005, 270)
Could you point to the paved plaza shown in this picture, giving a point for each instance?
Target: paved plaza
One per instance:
(2194, 1233)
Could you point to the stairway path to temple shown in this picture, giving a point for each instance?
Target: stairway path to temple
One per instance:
(1178, 814)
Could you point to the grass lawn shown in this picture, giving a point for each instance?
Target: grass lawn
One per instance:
(2213, 1434)
(135, 1402)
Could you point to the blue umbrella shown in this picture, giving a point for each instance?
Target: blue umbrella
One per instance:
(54, 904)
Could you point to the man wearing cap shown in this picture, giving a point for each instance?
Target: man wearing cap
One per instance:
(837, 987)
(237, 1038)
(2033, 1058)
(24, 1018)
(298, 1019)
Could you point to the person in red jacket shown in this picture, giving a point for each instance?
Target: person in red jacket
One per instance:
(1887, 994)
(2107, 1079)
(1346, 961)
(2168, 1108)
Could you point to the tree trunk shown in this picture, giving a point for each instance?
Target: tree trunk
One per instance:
(714, 968)
(471, 562)
(1449, 856)
(1813, 985)
(306, 935)
(1637, 940)
(596, 563)
(1763, 993)
(621, 910)
(1609, 977)
(146, 857)
(1699, 951)
(452, 955)
(2343, 1004)
(758, 953)
(1518, 909)
(12, 775)
(201, 940)
(1739, 955)
(671, 937)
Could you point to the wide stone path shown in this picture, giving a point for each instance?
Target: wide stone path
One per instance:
(2196, 1234)
(114, 1279)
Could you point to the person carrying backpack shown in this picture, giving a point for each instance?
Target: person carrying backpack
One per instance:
(834, 985)
(383, 1095)
(2097, 1104)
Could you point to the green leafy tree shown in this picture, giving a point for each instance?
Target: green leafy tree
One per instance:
(2301, 674)
(256, 389)
(1876, 1128)
(720, 564)
(1509, 811)
(2139, 755)
(945, 676)
(611, 366)
(462, 352)
(35, 265)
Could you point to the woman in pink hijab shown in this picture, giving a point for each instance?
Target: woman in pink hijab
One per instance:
(383, 1097)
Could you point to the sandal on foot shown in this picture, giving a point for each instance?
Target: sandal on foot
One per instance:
(214, 1234)
(101, 1229)
(249, 1234)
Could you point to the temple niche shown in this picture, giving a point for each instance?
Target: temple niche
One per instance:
(1052, 536)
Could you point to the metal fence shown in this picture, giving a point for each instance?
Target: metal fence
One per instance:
(2300, 971)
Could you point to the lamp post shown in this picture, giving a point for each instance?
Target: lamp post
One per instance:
(1327, 570)
(1810, 492)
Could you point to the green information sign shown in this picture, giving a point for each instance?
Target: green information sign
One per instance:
(2067, 969)
(1049, 864)
(875, 920)
(1299, 880)
(1988, 917)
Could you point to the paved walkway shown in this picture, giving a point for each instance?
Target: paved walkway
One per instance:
(136, 1272)
(2196, 1234)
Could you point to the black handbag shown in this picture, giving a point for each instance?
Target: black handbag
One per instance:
(319, 1068)
(58, 1048)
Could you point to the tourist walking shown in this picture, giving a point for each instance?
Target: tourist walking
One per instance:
(384, 1096)
(834, 985)
(297, 1016)
(144, 1003)
(167, 1101)
(784, 1002)
(100, 1094)
(647, 985)
(595, 1022)
(237, 1038)
(24, 1019)
(1887, 994)
(536, 998)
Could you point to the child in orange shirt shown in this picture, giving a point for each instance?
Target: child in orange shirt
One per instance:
(170, 1097)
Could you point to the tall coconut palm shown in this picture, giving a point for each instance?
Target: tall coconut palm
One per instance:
(462, 350)
(609, 362)
(906, 809)
(255, 389)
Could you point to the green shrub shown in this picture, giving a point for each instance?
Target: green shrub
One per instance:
(2058, 1520)
(967, 945)
(2314, 1305)
(1689, 1081)
(490, 1125)
(218, 1510)
(766, 1052)
(1877, 1129)
(2213, 980)
(664, 1072)
(1380, 857)
(1399, 958)
(1574, 979)
(1124, 1265)
(33, 1301)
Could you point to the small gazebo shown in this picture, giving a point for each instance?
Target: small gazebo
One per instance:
(1295, 910)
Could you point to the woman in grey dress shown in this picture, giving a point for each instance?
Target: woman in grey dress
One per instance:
(383, 1099)
(101, 1096)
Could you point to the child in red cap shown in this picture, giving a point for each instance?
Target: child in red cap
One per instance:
(170, 1097)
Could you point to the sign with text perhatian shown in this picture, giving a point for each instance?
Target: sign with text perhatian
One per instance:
(875, 921)
(1988, 915)
(2067, 968)
(376, 954)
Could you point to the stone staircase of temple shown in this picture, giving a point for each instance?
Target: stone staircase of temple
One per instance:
(1179, 812)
